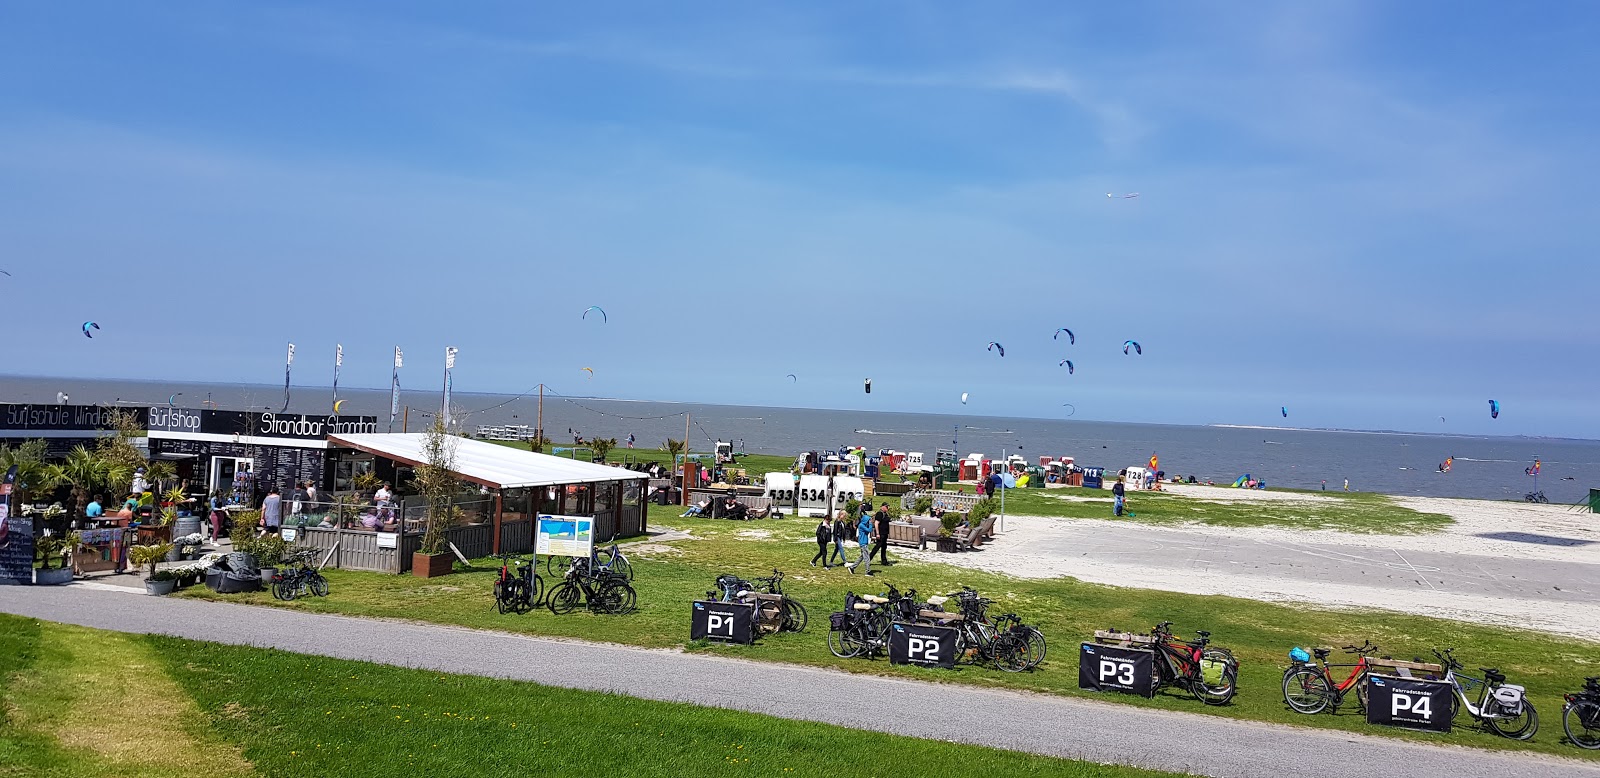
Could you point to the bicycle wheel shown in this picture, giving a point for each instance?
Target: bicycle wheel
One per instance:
(513, 597)
(557, 566)
(845, 643)
(630, 599)
(1581, 720)
(565, 598)
(794, 615)
(319, 585)
(533, 592)
(500, 602)
(619, 564)
(1519, 727)
(1010, 653)
(1218, 690)
(609, 597)
(283, 590)
(1306, 691)
(1033, 641)
(966, 649)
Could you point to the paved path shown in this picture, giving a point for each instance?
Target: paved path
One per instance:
(1057, 726)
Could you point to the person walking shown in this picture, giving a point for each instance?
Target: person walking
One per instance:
(217, 515)
(864, 542)
(1117, 492)
(272, 512)
(824, 534)
(1347, 484)
(841, 532)
(882, 520)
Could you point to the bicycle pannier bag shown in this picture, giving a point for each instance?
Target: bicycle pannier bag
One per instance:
(838, 621)
(1509, 698)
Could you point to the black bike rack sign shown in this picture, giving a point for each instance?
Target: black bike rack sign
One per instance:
(732, 622)
(1412, 703)
(922, 644)
(1103, 668)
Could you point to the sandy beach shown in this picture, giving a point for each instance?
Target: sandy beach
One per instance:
(1512, 564)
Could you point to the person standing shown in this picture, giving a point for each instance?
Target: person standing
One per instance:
(217, 515)
(1347, 484)
(882, 520)
(1324, 484)
(841, 532)
(272, 511)
(1117, 492)
(824, 534)
(313, 499)
(864, 542)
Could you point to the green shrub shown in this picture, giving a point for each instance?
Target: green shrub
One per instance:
(948, 524)
(923, 506)
(982, 510)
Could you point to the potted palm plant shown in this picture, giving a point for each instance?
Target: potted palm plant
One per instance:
(436, 479)
(54, 546)
(147, 556)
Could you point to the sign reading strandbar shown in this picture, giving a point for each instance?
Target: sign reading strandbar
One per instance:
(565, 536)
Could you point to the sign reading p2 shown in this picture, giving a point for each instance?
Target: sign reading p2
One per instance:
(922, 644)
(1116, 669)
(1408, 702)
(732, 622)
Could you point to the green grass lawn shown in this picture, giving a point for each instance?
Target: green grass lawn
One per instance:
(672, 573)
(1344, 511)
(207, 710)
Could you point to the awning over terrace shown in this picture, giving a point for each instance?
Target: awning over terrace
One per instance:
(488, 464)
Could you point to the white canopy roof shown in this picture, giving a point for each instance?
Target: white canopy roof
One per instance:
(489, 464)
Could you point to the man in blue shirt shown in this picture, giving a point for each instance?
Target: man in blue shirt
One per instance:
(94, 510)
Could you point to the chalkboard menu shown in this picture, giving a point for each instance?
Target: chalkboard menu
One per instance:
(284, 466)
(16, 556)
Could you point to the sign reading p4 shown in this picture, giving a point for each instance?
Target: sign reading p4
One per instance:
(922, 644)
(1409, 702)
(732, 622)
(1116, 669)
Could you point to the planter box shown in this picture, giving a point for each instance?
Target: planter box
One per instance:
(267, 574)
(148, 535)
(431, 565)
(947, 545)
(53, 577)
(159, 587)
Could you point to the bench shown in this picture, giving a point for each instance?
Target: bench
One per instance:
(906, 534)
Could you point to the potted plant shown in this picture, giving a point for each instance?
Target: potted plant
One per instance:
(147, 556)
(947, 532)
(49, 546)
(188, 546)
(161, 582)
(269, 551)
(437, 481)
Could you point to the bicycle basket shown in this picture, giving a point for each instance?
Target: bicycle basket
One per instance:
(1299, 655)
(839, 621)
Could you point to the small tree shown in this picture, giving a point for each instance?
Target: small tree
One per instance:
(32, 470)
(674, 448)
(86, 472)
(437, 481)
(538, 443)
(602, 447)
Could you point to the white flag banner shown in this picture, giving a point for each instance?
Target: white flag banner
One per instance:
(450, 357)
(398, 361)
(291, 355)
(338, 355)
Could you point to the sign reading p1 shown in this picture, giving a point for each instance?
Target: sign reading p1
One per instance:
(922, 644)
(1117, 669)
(732, 622)
(1409, 702)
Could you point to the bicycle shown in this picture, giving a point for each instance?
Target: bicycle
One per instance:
(975, 607)
(517, 590)
(300, 578)
(1309, 688)
(1500, 706)
(600, 592)
(978, 640)
(1032, 638)
(789, 609)
(1535, 497)
(607, 559)
(861, 628)
(1580, 716)
(1208, 672)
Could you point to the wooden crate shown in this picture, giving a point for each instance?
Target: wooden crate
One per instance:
(1124, 639)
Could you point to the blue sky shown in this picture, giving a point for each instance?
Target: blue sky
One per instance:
(1375, 214)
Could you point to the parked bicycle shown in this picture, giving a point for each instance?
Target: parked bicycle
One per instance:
(975, 607)
(1308, 685)
(1535, 497)
(599, 591)
(1501, 706)
(1580, 717)
(610, 560)
(979, 640)
(1208, 672)
(789, 609)
(299, 577)
(518, 589)
(862, 628)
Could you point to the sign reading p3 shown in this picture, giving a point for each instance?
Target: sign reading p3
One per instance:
(1116, 669)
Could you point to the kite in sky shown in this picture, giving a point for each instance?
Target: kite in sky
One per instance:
(869, 385)
(1068, 364)
(1494, 409)
(963, 398)
(793, 378)
(1133, 344)
(595, 308)
(1071, 339)
(993, 345)
(1285, 410)
(86, 326)
(590, 370)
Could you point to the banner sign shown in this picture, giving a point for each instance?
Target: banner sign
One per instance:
(62, 417)
(16, 538)
(922, 644)
(1412, 703)
(564, 536)
(1116, 669)
(733, 622)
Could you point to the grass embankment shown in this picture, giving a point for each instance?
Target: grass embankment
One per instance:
(671, 574)
(1342, 511)
(93, 703)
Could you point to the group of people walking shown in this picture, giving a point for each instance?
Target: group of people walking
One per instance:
(866, 529)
